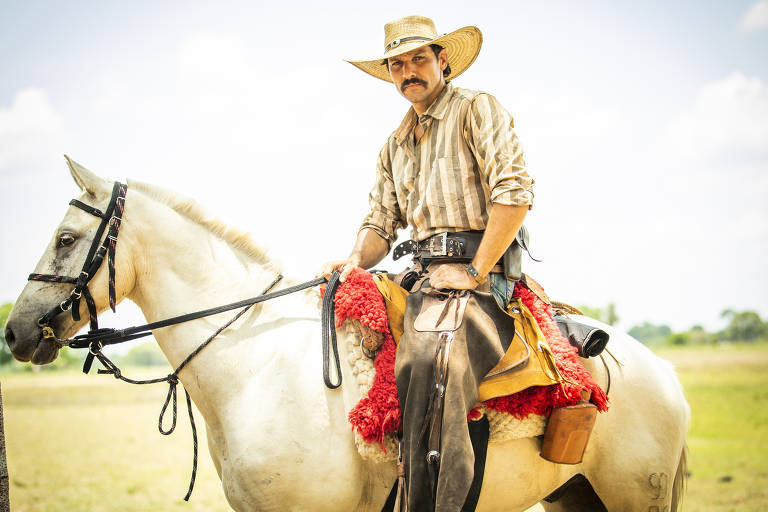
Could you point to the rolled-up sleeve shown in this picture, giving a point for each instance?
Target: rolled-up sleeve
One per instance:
(385, 217)
(498, 152)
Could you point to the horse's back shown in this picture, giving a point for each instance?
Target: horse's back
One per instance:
(636, 446)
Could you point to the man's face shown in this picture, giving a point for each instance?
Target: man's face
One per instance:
(418, 74)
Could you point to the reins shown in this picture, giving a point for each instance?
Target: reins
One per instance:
(97, 338)
(101, 337)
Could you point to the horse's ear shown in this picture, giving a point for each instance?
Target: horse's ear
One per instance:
(85, 179)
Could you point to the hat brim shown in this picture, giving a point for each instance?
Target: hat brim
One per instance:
(462, 46)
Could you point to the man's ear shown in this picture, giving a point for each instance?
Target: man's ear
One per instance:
(442, 59)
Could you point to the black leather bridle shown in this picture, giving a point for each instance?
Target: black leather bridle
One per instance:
(100, 249)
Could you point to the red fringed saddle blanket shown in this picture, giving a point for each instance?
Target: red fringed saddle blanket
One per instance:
(378, 413)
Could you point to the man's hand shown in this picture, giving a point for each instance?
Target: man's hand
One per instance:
(369, 249)
(343, 266)
(452, 276)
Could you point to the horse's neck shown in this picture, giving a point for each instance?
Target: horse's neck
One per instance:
(181, 267)
(181, 263)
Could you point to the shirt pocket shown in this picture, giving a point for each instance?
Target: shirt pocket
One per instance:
(445, 186)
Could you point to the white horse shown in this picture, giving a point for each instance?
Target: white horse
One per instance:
(279, 438)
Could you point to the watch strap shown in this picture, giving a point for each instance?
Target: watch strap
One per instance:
(476, 275)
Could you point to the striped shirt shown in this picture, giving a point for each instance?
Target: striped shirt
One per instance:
(467, 158)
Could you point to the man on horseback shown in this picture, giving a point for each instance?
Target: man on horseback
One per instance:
(454, 172)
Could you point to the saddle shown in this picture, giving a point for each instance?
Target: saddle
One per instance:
(377, 416)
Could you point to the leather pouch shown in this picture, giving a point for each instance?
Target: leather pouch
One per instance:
(568, 433)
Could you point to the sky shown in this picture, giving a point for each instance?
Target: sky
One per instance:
(645, 126)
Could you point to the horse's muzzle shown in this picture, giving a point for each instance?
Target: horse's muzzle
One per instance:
(28, 344)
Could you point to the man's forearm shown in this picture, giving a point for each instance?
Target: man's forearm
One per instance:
(370, 248)
(503, 225)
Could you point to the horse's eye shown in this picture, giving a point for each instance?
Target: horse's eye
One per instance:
(66, 239)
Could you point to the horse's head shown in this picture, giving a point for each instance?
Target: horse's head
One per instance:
(65, 256)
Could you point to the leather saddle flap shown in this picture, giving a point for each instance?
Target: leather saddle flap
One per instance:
(527, 362)
(516, 357)
(441, 312)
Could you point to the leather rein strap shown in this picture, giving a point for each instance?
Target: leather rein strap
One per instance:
(109, 336)
(328, 324)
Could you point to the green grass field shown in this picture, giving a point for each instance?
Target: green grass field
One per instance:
(727, 389)
(90, 443)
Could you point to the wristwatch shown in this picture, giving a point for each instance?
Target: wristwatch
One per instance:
(476, 275)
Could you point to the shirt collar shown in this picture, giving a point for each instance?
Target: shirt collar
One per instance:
(409, 121)
(436, 111)
(440, 105)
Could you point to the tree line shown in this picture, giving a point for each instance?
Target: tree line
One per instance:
(741, 327)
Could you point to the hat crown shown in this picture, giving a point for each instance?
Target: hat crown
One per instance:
(410, 26)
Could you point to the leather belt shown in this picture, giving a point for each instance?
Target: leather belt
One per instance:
(460, 246)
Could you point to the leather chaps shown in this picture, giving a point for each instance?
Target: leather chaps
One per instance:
(478, 344)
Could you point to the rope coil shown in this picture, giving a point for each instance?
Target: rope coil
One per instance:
(172, 383)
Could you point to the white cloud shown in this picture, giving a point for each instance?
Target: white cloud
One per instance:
(756, 17)
(729, 116)
(30, 132)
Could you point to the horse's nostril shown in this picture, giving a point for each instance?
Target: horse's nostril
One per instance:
(9, 336)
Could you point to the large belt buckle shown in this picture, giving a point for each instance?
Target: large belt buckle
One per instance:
(438, 245)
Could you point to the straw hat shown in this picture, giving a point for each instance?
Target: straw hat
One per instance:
(406, 34)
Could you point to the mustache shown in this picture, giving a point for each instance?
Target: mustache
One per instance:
(410, 81)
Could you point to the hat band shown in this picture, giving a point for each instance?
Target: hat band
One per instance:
(395, 43)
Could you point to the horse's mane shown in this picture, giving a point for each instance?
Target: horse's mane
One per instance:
(190, 209)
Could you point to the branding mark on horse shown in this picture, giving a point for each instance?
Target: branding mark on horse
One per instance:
(659, 482)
